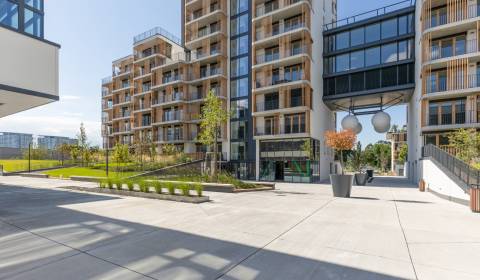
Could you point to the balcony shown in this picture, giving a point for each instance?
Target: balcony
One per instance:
(436, 121)
(172, 79)
(272, 7)
(154, 32)
(459, 82)
(169, 99)
(193, 37)
(274, 105)
(278, 80)
(206, 73)
(172, 116)
(198, 15)
(439, 17)
(280, 130)
(282, 29)
(288, 56)
(107, 80)
(105, 92)
(123, 86)
(437, 52)
(170, 136)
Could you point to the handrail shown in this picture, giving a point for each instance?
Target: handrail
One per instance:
(369, 14)
(157, 31)
(462, 170)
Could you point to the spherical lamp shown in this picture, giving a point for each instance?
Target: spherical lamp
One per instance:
(349, 122)
(381, 122)
(358, 128)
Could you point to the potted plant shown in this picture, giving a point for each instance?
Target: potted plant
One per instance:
(341, 141)
(357, 164)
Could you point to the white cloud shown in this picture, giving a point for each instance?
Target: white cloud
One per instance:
(69, 97)
(46, 125)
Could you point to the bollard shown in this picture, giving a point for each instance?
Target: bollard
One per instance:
(421, 185)
(475, 198)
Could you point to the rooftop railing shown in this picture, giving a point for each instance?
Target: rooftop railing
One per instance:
(370, 14)
(157, 31)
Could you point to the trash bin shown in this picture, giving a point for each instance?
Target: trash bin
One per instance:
(475, 198)
(370, 173)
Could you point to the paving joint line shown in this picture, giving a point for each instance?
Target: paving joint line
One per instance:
(404, 236)
(275, 238)
(73, 248)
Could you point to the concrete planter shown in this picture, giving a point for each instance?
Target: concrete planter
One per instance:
(341, 185)
(361, 179)
(151, 195)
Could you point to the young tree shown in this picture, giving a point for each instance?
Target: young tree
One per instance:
(75, 153)
(357, 157)
(64, 151)
(403, 153)
(121, 154)
(383, 154)
(466, 144)
(340, 142)
(213, 117)
(82, 143)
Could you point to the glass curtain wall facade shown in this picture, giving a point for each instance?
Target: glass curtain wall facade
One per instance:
(242, 147)
(24, 16)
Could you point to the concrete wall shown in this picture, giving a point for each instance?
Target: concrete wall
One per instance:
(414, 137)
(32, 64)
(321, 118)
(442, 181)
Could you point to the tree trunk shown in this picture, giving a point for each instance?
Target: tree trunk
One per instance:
(215, 152)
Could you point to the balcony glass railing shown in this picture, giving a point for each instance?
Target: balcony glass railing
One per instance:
(282, 28)
(449, 118)
(439, 18)
(171, 79)
(172, 116)
(276, 56)
(274, 105)
(457, 82)
(279, 79)
(437, 52)
(271, 6)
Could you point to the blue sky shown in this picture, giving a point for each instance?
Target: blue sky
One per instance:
(92, 34)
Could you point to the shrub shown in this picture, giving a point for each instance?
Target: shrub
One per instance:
(170, 187)
(103, 183)
(199, 189)
(110, 183)
(142, 186)
(185, 188)
(158, 187)
(130, 185)
(119, 184)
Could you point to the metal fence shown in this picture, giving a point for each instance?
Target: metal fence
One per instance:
(459, 168)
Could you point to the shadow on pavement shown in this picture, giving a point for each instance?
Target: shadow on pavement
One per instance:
(42, 239)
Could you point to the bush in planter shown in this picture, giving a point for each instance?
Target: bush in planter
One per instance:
(170, 187)
(130, 185)
(119, 184)
(199, 189)
(143, 186)
(185, 188)
(158, 186)
(103, 184)
(110, 183)
(341, 141)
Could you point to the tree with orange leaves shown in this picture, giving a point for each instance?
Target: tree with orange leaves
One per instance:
(341, 141)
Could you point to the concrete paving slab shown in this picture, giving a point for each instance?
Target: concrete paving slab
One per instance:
(297, 231)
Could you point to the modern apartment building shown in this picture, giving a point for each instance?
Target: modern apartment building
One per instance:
(260, 57)
(52, 142)
(29, 76)
(15, 140)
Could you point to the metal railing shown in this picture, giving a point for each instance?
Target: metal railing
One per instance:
(283, 28)
(370, 14)
(436, 52)
(461, 117)
(459, 168)
(272, 6)
(107, 80)
(458, 82)
(442, 19)
(278, 55)
(157, 31)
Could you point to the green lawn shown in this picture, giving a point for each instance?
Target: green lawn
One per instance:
(13, 165)
(84, 171)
